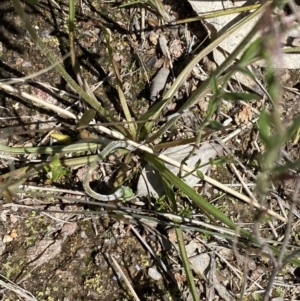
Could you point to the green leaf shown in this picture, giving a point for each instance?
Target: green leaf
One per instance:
(86, 118)
(287, 167)
(272, 82)
(215, 125)
(245, 71)
(127, 192)
(61, 138)
(55, 169)
(213, 84)
(293, 128)
(200, 174)
(152, 114)
(198, 164)
(221, 161)
(240, 96)
(213, 104)
(172, 203)
(264, 126)
(251, 53)
(186, 212)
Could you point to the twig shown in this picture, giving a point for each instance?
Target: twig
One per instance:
(54, 108)
(21, 292)
(118, 268)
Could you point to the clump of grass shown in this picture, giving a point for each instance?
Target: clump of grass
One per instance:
(146, 130)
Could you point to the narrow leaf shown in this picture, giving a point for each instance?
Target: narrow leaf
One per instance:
(86, 118)
(252, 51)
(183, 255)
(240, 96)
(264, 123)
(191, 193)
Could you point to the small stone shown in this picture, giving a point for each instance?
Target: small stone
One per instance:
(13, 218)
(3, 215)
(7, 238)
(100, 260)
(83, 235)
(117, 277)
(68, 229)
(176, 49)
(154, 274)
(153, 38)
(2, 247)
(243, 116)
(252, 265)
(26, 64)
(277, 299)
(13, 234)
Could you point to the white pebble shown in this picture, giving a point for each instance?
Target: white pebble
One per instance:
(154, 274)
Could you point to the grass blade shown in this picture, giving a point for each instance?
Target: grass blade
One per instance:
(183, 255)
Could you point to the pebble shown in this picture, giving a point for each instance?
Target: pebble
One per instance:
(7, 239)
(154, 274)
(277, 299)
